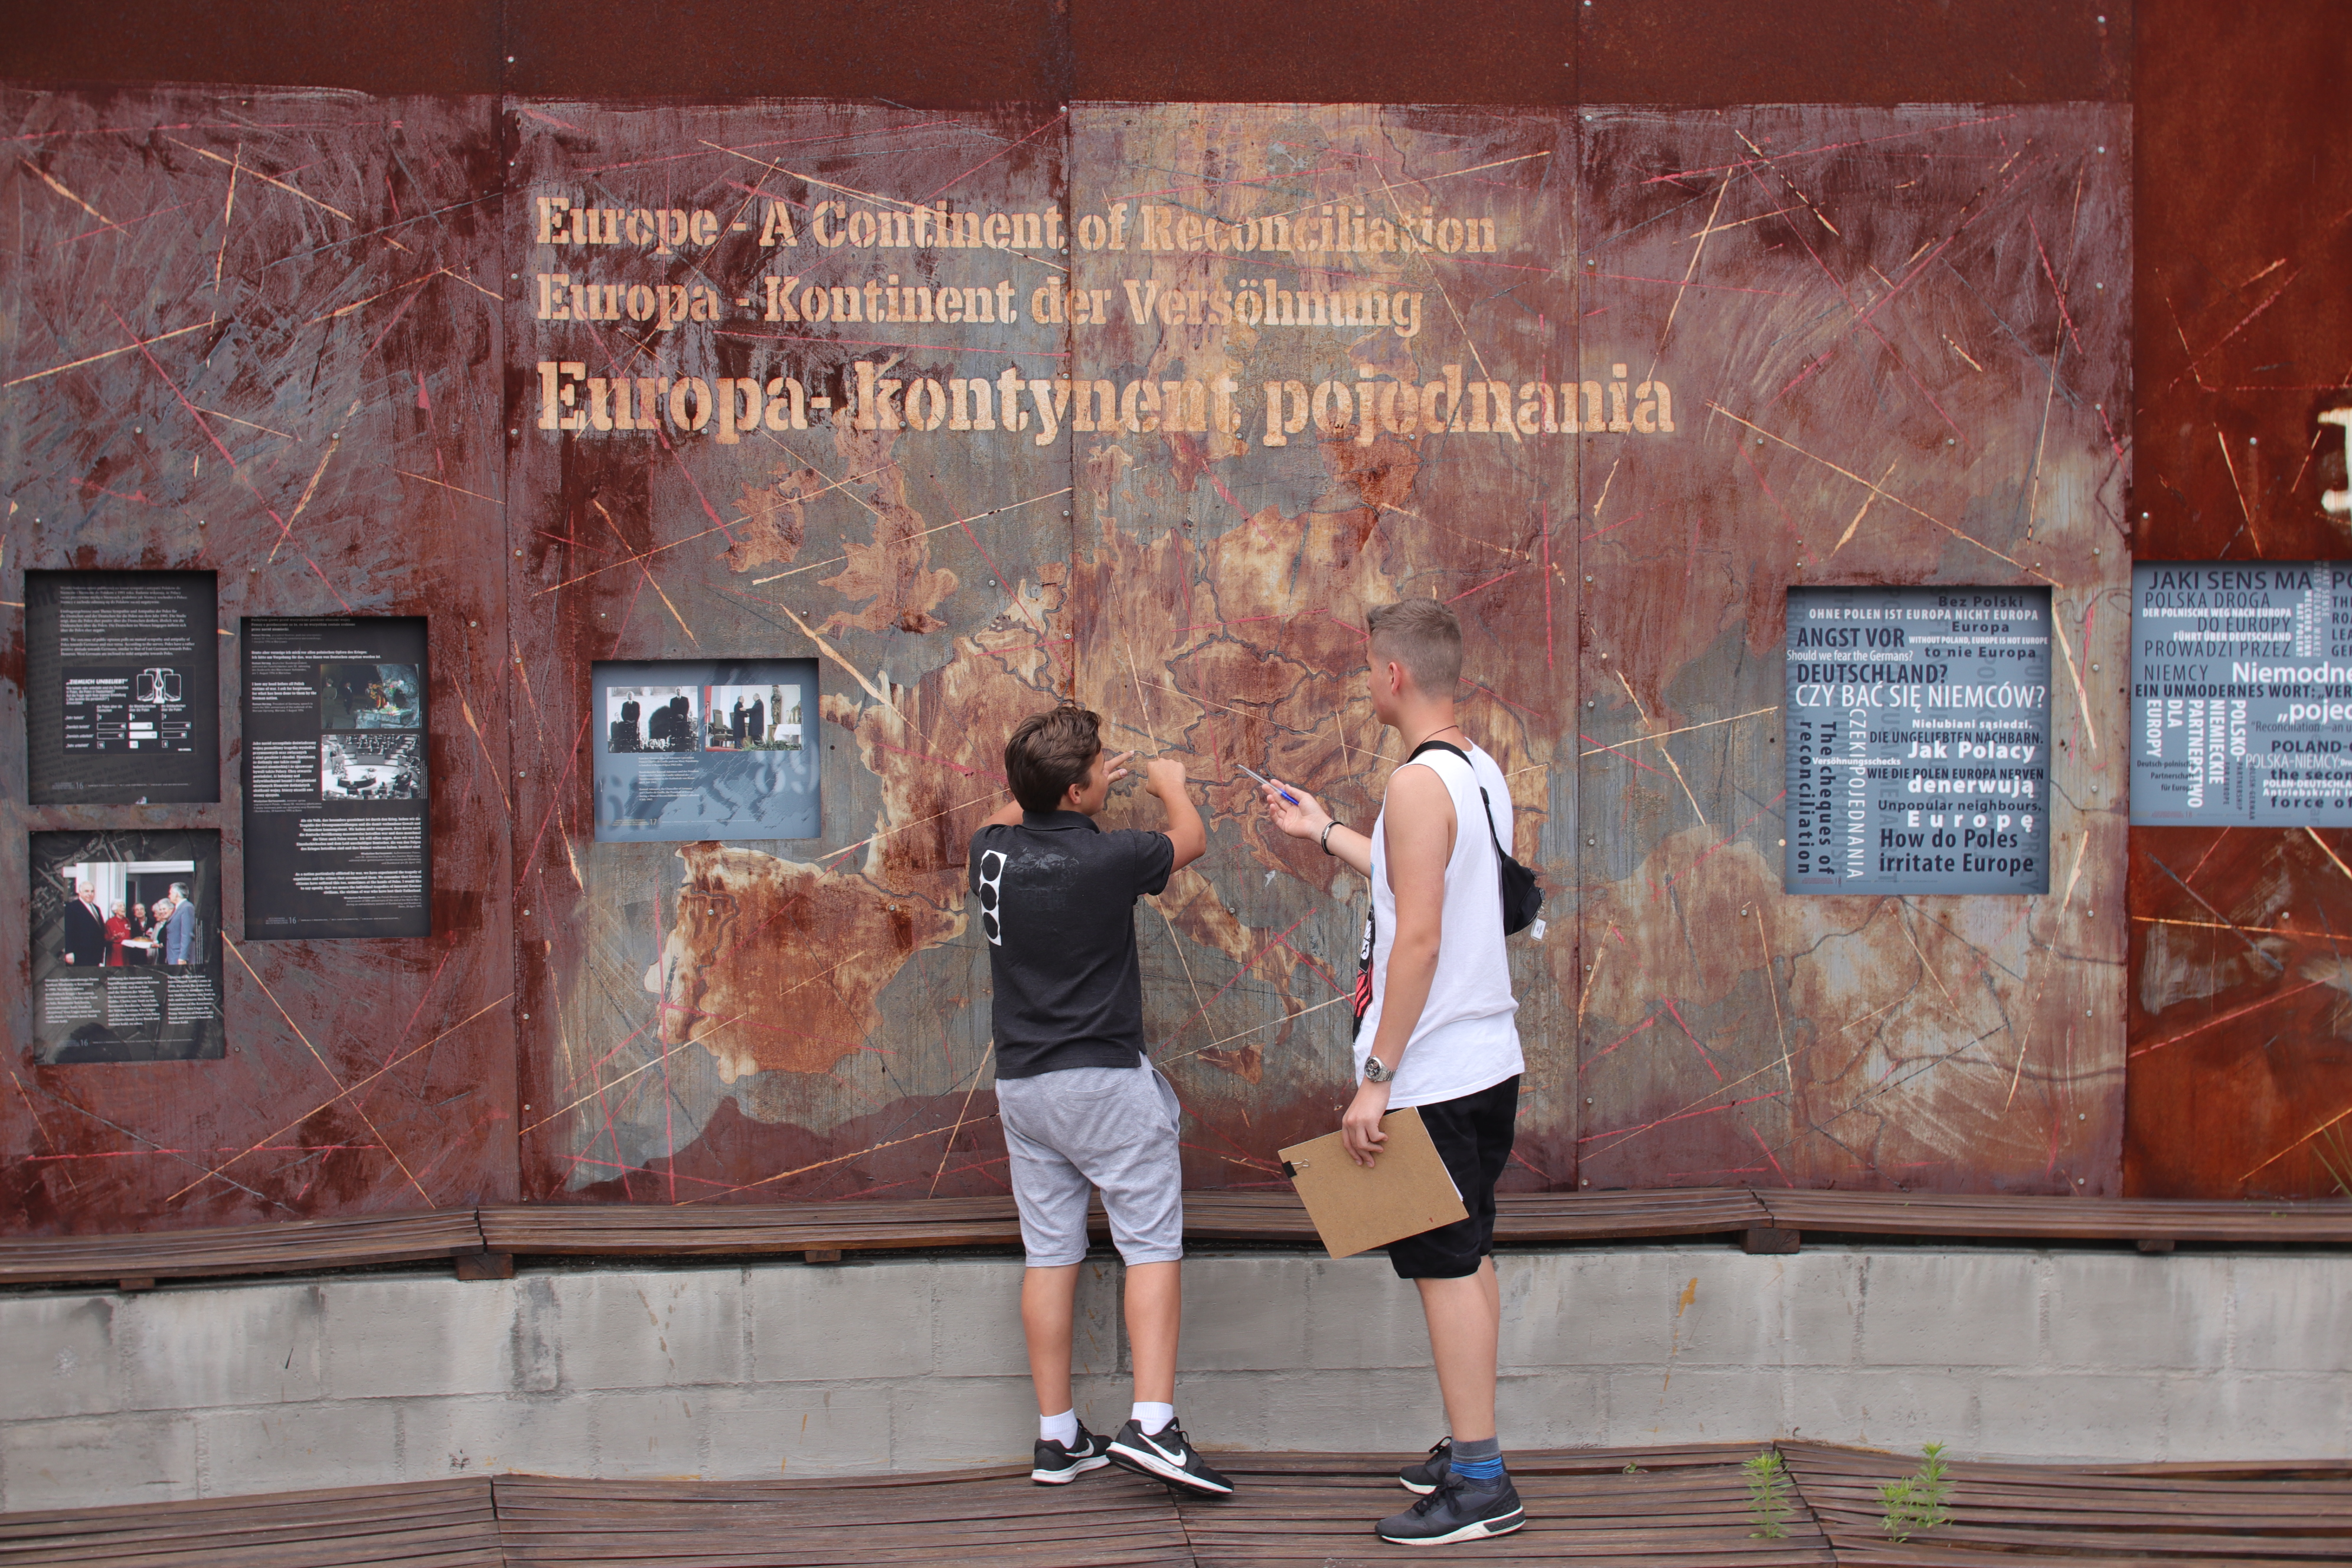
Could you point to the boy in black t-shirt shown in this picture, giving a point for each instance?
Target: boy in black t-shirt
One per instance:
(1082, 1107)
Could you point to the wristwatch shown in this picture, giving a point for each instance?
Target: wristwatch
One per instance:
(1377, 1071)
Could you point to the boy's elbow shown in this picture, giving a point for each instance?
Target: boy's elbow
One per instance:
(1190, 847)
(1419, 946)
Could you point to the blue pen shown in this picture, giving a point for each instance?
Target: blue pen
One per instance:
(1269, 784)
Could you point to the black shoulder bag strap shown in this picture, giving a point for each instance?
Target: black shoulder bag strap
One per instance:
(1522, 898)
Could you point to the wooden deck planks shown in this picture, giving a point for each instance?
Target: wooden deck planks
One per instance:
(423, 1525)
(985, 1520)
(2278, 1514)
(1680, 1507)
(1683, 1507)
(287, 1246)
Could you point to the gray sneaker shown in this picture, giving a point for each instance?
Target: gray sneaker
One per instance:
(1427, 1476)
(1461, 1509)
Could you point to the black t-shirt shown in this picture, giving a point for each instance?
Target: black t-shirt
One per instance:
(1055, 899)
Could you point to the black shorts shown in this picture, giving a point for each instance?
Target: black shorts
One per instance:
(1473, 1135)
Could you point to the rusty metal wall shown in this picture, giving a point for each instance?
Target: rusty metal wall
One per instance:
(2241, 1065)
(244, 334)
(804, 1019)
(1224, 570)
(1894, 339)
(2243, 337)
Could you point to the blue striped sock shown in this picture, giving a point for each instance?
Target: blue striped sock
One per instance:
(1479, 1460)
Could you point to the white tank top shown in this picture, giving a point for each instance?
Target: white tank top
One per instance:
(1467, 1038)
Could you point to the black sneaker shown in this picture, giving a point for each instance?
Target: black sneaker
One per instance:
(1054, 1464)
(1427, 1476)
(1168, 1455)
(1461, 1509)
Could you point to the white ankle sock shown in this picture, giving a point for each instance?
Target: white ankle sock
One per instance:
(1062, 1428)
(1152, 1417)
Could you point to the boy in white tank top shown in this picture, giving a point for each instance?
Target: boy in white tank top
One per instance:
(1435, 1030)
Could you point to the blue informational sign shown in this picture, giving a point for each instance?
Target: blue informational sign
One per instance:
(2241, 693)
(688, 750)
(1918, 741)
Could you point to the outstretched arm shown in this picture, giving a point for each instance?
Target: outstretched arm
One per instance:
(1164, 776)
(1297, 813)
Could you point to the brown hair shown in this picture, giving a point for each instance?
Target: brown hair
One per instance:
(1050, 751)
(1422, 636)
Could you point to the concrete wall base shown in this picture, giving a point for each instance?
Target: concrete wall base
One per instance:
(789, 1369)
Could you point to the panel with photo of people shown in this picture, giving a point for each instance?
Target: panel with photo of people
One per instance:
(691, 749)
(651, 718)
(371, 696)
(753, 718)
(126, 959)
(370, 766)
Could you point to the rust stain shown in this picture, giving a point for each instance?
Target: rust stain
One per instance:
(745, 972)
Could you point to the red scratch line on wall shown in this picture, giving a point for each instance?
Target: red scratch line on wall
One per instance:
(835, 1160)
(207, 428)
(2243, 322)
(1245, 969)
(2057, 290)
(782, 142)
(1598, 746)
(1820, 148)
(268, 179)
(1898, 501)
(1545, 516)
(1492, 580)
(887, 832)
(2272, 1000)
(1770, 1155)
(1693, 1039)
(947, 1149)
(341, 1092)
(136, 344)
(627, 1171)
(1620, 1040)
(1309, 960)
(2298, 1144)
(1625, 1135)
(555, 796)
(368, 300)
(423, 997)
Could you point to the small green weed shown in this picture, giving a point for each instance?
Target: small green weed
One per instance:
(1767, 1495)
(1915, 1503)
(1632, 1469)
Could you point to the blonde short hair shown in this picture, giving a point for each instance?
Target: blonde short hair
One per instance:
(1422, 636)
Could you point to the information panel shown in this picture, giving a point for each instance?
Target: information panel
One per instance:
(337, 809)
(2241, 693)
(126, 960)
(1918, 741)
(691, 749)
(121, 687)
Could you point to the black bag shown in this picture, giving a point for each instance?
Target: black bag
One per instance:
(1522, 899)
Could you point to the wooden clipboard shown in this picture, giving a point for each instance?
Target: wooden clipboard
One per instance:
(1407, 1191)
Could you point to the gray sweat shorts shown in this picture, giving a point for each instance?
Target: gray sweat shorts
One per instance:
(1082, 1128)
